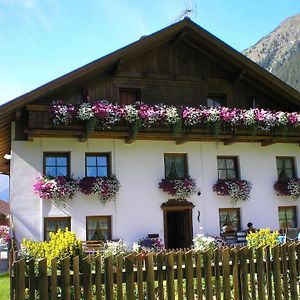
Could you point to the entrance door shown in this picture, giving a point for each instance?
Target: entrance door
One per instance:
(178, 226)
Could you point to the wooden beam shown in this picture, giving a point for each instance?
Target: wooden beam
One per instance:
(268, 142)
(178, 38)
(231, 141)
(238, 76)
(116, 68)
(129, 140)
(83, 137)
(181, 140)
(210, 55)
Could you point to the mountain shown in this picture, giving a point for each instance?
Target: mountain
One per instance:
(279, 51)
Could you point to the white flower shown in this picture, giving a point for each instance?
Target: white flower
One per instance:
(85, 111)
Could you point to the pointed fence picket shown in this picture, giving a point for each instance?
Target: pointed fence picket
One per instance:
(222, 274)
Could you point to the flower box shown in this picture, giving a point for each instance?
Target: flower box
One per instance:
(289, 187)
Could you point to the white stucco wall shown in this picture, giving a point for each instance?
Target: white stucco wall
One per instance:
(139, 167)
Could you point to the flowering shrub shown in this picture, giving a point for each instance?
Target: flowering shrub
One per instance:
(236, 189)
(57, 188)
(164, 115)
(262, 238)
(288, 187)
(61, 244)
(106, 188)
(180, 188)
(204, 243)
(4, 236)
(147, 244)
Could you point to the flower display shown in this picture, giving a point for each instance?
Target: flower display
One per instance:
(180, 188)
(204, 243)
(4, 236)
(165, 115)
(236, 189)
(57, 188)
(288, 187)
(147, 244)
(106, 188)
(62, 113)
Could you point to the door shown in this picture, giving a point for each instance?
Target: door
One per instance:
(178, 228)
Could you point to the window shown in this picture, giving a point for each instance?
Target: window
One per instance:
(129, 95)
(287, 217)
(227, 167)
(97, 164)
(98, 228)
(216, 100)
(176, 165)
(54, 223)
(57, 164)
(229, 217)
(285, 167)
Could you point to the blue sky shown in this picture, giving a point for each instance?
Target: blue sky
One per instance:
(43, 39)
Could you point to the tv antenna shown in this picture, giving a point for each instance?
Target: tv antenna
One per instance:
(189, 11)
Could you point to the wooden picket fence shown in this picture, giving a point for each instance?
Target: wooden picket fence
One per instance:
(228, 273)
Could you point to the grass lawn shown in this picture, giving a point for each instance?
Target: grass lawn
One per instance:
(4, 286)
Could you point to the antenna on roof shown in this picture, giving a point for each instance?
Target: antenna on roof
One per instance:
(190, 9)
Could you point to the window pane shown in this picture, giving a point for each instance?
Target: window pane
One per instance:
(50, 171)
(91, 160)
(61, 161)
(61, 171)
(231, 174)
(222, 174)
(229, 218)
(91, 171)
(50, 161)
(288, 163)
(98, 228)
(279, 163)
(221, 163)
(101, 160)
(230, 163)
(175, 166)
(102, 171)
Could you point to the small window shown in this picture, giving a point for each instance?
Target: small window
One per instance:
(129, 95)
(176, 165)
(227, 168)
(98, 228)
(229, 219)
(285, 167)
(57, 164)
(97, 164)
(54, 223)
(287, 217)
(216, 100)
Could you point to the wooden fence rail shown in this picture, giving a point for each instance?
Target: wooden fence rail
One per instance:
(222, 274)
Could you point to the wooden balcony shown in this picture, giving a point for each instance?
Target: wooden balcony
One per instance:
(40, 124)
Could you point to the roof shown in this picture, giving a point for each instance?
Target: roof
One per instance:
(4, 208)
(225, 52)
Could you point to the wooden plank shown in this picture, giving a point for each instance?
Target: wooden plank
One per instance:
(20, 280)
(225, 274)
(119, 279)
(150, 277)
(260, 274)
(76, 278)
(54, 279)
(189, 275)
(269, 273)
(140, 280)
(284, 269)
(170, 276)
(98, 272)
(160, 259)
(31, 279)
(65, 279)
(43, 280)
(12, 278)
(179, 275)
(217, 258)
(207, 258)
(293, 271)
(244, 272)
(277, 273)
(87, 278)
(235, 275)
(129, 275)
(252, 274)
